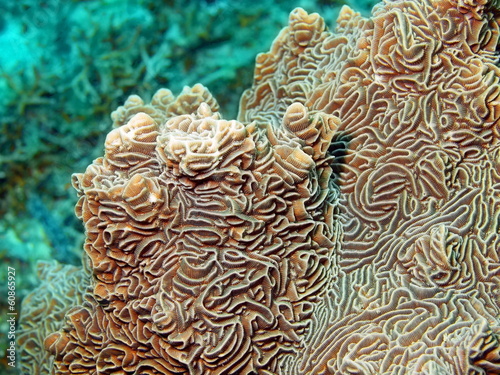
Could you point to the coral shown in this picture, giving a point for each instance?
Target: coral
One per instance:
(416, 163)
(44, 309)
(346, 223)
(201, 264)
(164, 105)
(65, 64)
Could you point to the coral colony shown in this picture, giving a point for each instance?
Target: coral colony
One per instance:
(346, 223)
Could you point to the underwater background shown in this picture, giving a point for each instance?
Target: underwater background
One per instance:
(66, 65)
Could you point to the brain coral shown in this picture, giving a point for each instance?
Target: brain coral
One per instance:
(43, 311)
(346, 223)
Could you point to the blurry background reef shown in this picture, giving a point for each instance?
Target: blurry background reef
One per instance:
(66, 65)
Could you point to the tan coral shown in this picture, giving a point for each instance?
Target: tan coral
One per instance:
(43, 312)
(346, 223)
(165, 105)
(192, 254)
(412, 129)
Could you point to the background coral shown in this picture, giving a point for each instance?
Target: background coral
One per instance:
(60, 288)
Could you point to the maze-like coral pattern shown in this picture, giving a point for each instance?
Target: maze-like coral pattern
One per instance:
(416, 161)
(62, 287)
(209, 241)
(347, 223)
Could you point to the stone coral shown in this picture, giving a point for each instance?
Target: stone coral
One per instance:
(347, 223)
(43, 311)
(200, 263)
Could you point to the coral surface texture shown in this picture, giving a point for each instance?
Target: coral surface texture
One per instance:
(346, 223)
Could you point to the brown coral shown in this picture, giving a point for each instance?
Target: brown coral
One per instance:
(200, 263)
(346, 223)
(43, 311)
(416, 166)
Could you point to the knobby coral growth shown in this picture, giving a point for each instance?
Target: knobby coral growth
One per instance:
(346, 223)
